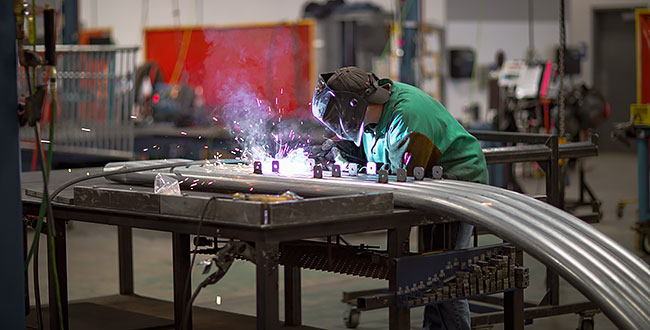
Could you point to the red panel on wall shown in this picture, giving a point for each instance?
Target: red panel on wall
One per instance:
(270, 62)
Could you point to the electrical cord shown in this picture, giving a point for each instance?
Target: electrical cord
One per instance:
(48, 199)
(50, 222)
(37, 291)
(188, 281)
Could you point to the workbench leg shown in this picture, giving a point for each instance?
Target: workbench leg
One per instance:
(62, 273)
(398, 245)
(125, 257)
(552, 288)
(292, 299)
(266, 259)
(513, 303)
(181, 261)
(27, 302)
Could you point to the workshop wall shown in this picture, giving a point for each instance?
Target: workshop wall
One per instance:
(497, 29)
(581, 15)
(127, 18)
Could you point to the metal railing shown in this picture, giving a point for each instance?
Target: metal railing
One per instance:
(95, 96)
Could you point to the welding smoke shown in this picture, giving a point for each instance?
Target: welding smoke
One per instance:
(257, 127)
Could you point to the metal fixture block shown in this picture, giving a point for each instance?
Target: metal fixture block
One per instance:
(318, 171)
(418, 173)
(401, 175)
(257, 167)
(353, 169)
(371, 168)
(383, 176)
(437, 172)
(336, 171)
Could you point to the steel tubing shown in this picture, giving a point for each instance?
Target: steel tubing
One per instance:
(611, 277)
(595, 270)
(582, 229)
(617, 270)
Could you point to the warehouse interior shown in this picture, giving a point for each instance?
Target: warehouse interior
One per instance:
(330, 164)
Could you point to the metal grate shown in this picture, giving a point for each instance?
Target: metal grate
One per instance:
(95, 96)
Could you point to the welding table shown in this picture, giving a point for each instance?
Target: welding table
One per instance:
(266, 237)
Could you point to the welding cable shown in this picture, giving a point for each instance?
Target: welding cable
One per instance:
(50, 222)
(188, 281)
(37, 291)
(39, 224)
(48, 206)
(66, 185)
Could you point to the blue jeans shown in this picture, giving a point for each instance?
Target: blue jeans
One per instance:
(451, 315)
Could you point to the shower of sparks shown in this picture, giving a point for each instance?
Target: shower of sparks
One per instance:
(183, 133)
(85, 129)
(256, 125)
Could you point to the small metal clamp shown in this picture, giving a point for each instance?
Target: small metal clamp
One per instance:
(353, 169)
(336, 171)
(418, 173)
(275, 166)
(257, 167)
(318, 171)
(383, 176)
(401, 175)
(371, 168)
(437, 172)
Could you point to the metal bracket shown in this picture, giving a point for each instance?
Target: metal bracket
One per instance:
(336, 171)
(257, 167)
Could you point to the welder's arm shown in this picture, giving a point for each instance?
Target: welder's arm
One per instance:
(411, 151)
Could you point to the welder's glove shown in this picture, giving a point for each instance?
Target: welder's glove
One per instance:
(413, 150)
(336, 151)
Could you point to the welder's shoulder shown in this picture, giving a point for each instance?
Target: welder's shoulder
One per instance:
(412, 95)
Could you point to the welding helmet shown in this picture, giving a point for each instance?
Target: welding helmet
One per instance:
(341, 98)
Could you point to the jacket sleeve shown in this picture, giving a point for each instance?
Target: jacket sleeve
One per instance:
(410, 149)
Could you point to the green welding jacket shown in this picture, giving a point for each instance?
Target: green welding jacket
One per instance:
(409, 110)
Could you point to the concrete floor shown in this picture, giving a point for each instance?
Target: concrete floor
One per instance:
(92, 262)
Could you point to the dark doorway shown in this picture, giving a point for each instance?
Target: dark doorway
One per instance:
(614, 68)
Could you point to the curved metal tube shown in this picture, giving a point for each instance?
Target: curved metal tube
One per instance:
(610, 276)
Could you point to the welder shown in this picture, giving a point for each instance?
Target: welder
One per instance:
(400, 126)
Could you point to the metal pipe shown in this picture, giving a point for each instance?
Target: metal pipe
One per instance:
(613, 279)
(580, 227)
(588, 249)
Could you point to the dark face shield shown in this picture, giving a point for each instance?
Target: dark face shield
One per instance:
(341, 112)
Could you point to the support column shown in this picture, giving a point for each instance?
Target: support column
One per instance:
(513, 303)
(62, 274)
(266, 258)
(125, 258)
(398, 245)
(12, 279)
(292, 296)
(181, 261)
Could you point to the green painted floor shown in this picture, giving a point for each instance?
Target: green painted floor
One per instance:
(92, 262)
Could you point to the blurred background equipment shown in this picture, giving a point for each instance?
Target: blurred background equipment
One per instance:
(95, 103)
